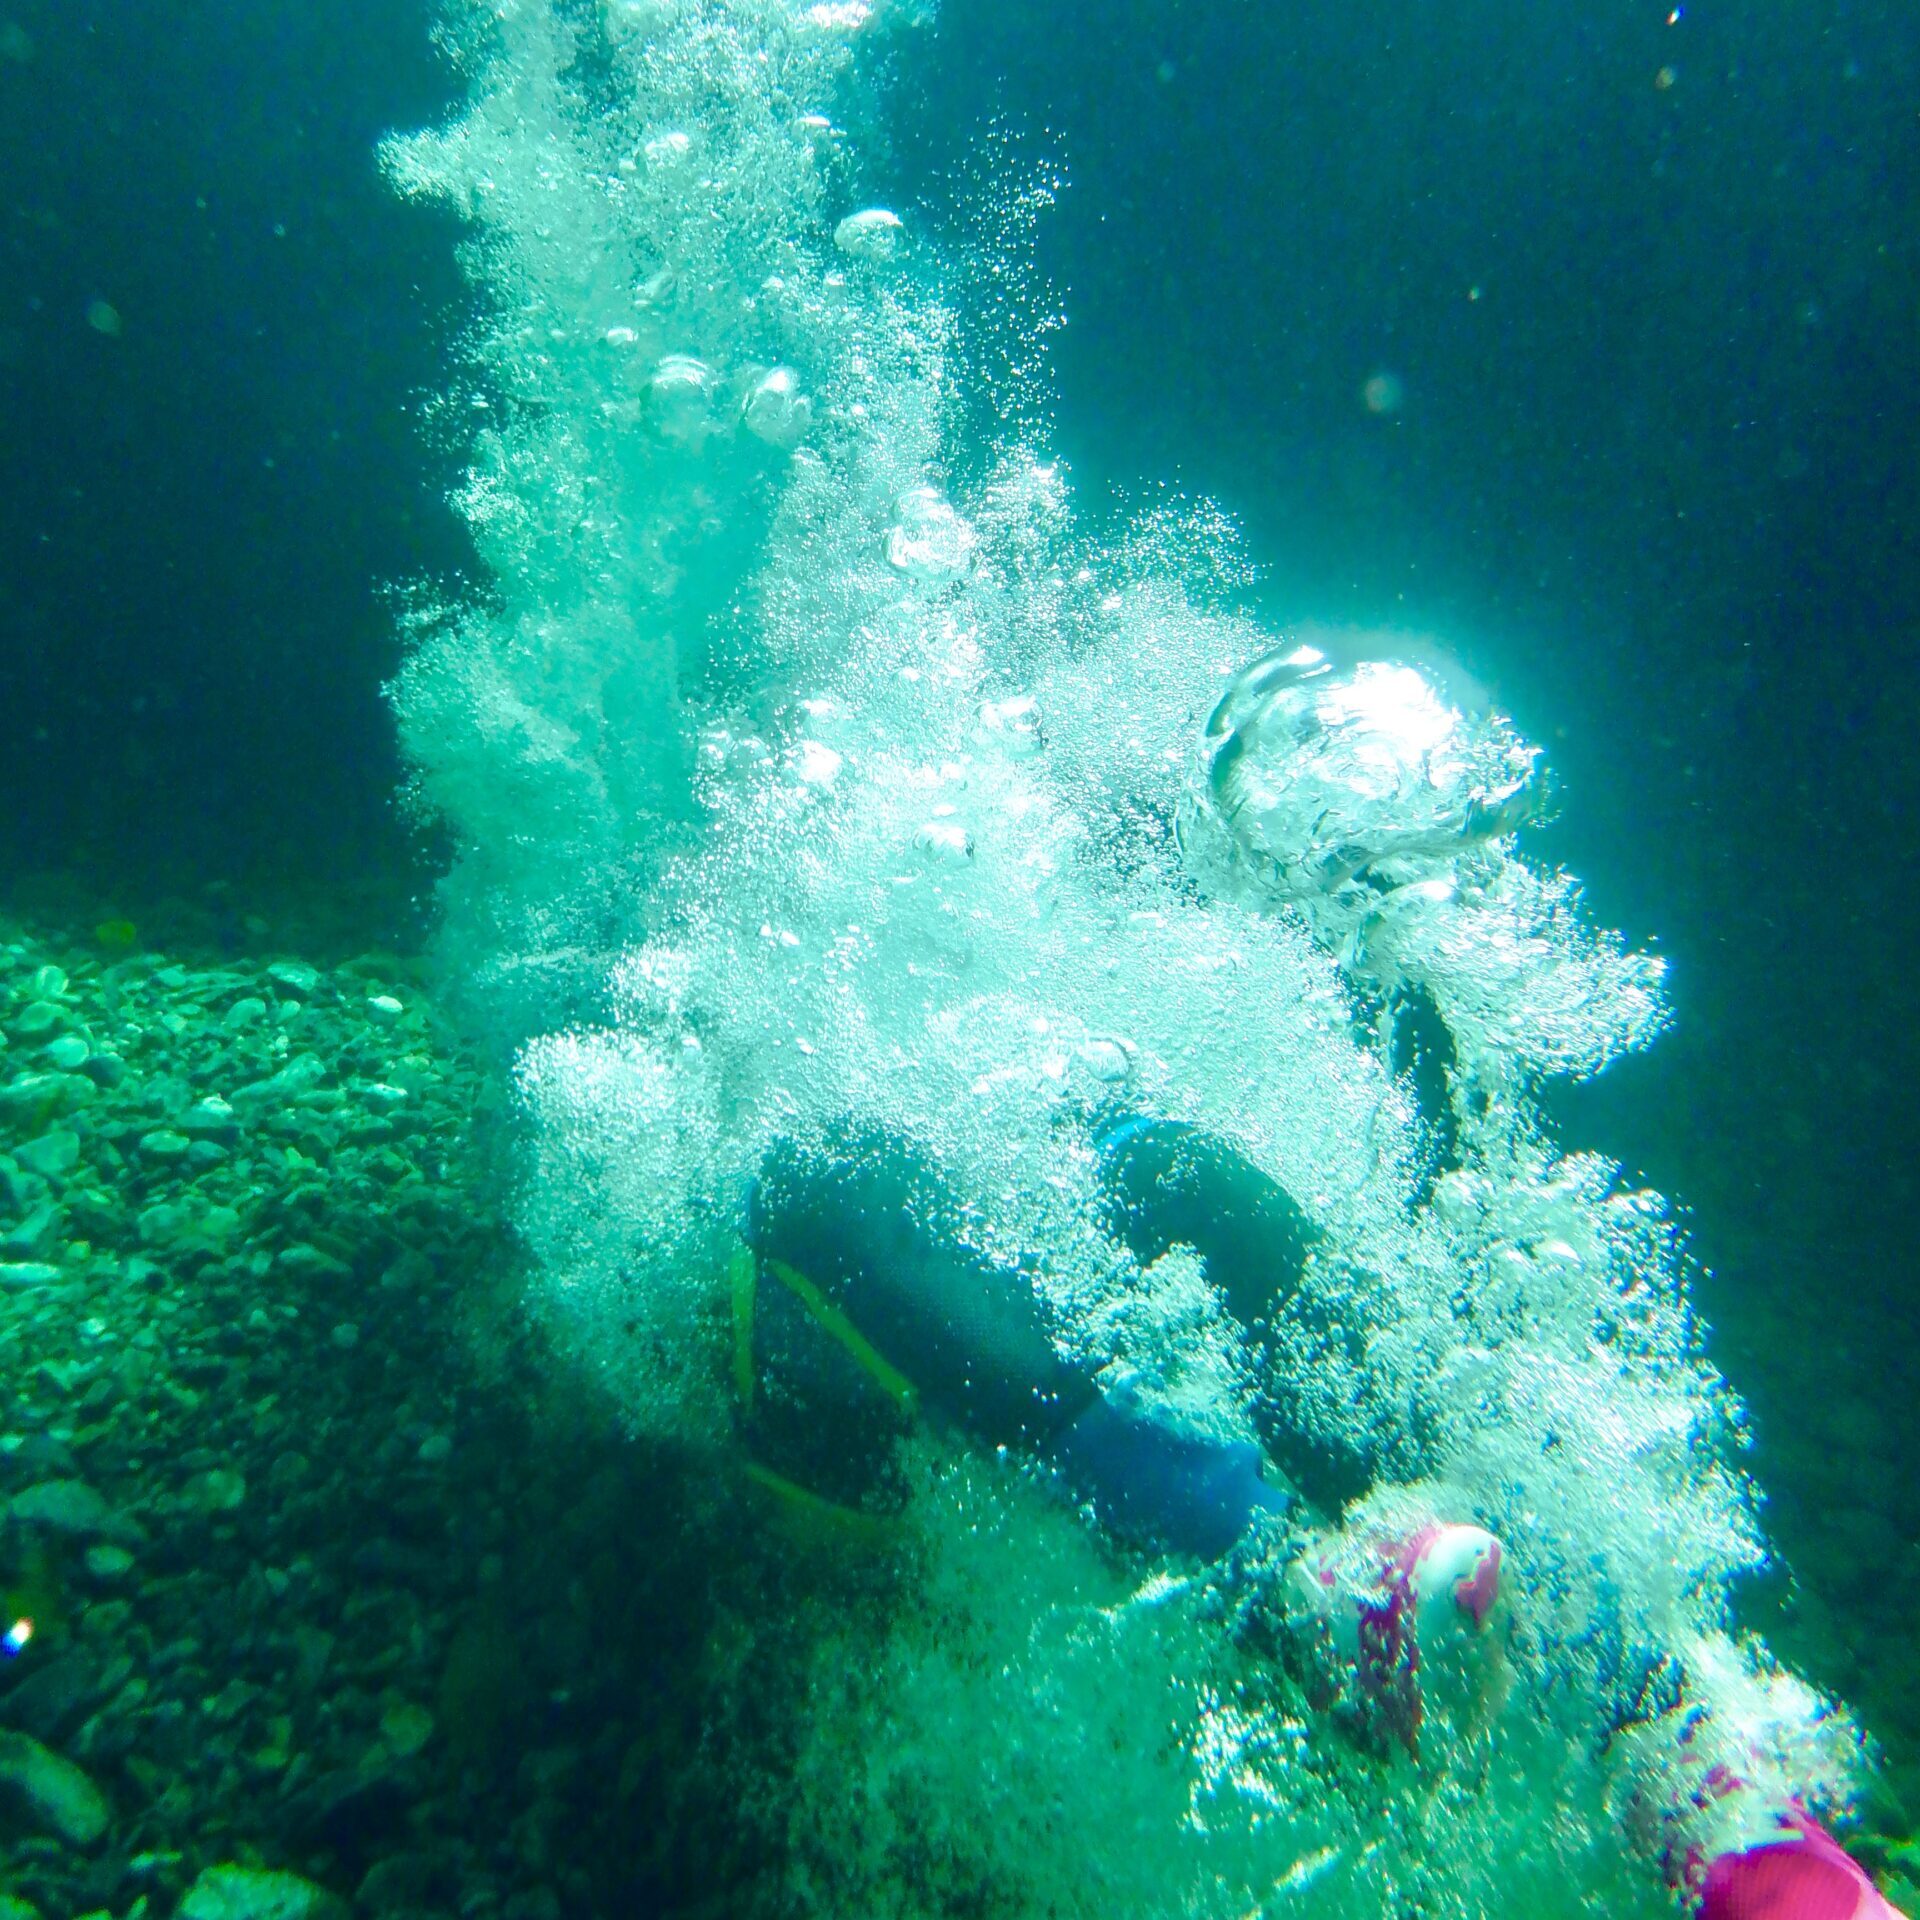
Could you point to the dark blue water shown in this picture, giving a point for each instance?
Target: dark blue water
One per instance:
(1643, 293)
(198, 511)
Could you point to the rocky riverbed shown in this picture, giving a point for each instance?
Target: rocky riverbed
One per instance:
(331, 1586)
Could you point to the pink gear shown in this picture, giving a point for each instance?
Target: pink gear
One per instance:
(1798, 1872)
(1380, 1601)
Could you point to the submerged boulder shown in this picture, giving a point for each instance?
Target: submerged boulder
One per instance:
(257, 1893)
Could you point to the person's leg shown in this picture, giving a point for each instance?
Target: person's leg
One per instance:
(1168, 1183)
(874, 1294)
(874, 1226)
(1395, 1610)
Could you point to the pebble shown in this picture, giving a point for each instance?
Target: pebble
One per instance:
(38, 1456)
(164, 1221)
(34, 1235)
(294, 977)
(309, 1263)
(211, 1118)
(411, 1271)
(35, 1018)
(312, 1650)
(256, 1893)
(218, 1490)
(61, 1691)
(287, 1471)
(48, 982)
(69, 1507)
(64, 1506)
(42, 1092)
(107, 1563)
(18, 1189)
(69, 1053)
(216, 1226)
(55, 1794)
(300, 1075)
(198, 1238)
(406, 1728)
(52, 1155)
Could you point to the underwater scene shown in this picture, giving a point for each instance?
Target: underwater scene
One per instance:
(956, 960)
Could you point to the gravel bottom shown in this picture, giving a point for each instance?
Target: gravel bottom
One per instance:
(339, 1587)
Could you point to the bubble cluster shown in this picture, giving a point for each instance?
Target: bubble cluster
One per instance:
(811, 765)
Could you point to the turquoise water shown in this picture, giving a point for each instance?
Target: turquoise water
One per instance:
(806, 736)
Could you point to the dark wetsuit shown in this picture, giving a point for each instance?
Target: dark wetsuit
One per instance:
(872, 1302)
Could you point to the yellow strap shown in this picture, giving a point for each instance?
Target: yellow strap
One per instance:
(803, 1502)
(837, 1326)
(741, 1276)
(817, 1508)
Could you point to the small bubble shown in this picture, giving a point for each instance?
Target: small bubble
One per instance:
(946, 840)
(1107, 1058)
(654, 289)
(873, 234)
(816, 764)
(680, 399)
(1383, 392)
(776, 410)
(1013, 725)
(928, 539)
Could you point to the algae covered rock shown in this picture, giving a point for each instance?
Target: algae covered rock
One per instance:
(257, 1893)
(74, 1508)
(54, 1794)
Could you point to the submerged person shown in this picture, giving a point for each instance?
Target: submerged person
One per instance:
(866, 1307)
